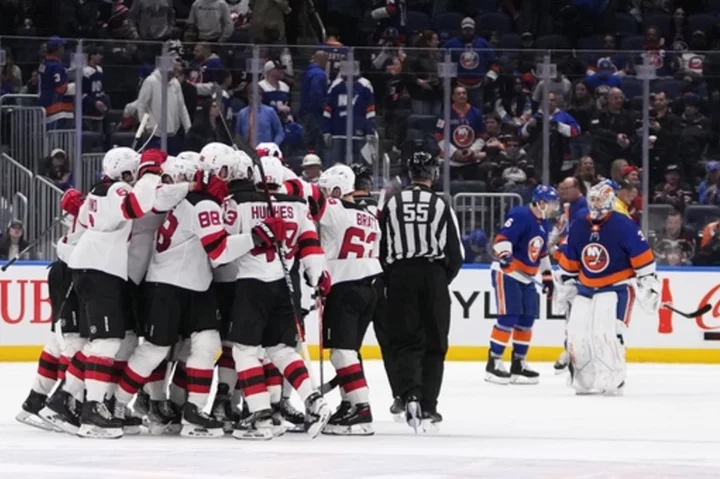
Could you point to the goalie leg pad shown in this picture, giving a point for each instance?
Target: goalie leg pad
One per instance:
(597, 355)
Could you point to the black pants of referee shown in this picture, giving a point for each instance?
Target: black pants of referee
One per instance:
(418, 326)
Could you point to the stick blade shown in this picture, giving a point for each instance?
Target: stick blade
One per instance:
(704, 310)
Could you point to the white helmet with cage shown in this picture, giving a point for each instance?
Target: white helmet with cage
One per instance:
(273, 169)
(190, 157)
(337, 181)
(209, 157)
(119, 161)
(178, 170)
(269, 149)
(243, 169)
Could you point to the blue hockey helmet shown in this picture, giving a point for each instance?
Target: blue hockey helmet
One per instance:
(547, 200)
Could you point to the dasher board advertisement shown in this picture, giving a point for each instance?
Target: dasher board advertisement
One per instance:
(25, 316)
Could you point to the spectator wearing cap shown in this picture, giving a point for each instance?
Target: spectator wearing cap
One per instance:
(275, 92)
(14, 242)
(696, 136)
(605, 75)
(311, 168)
(613, 131)
(152, 19)
(207, 128)
(478, 66)
(150, 101)
(56, 168)
(673, 191)
(313, 93)
(708, 190)
(264, 121)
(213, 20)
(476, 247)
(56, 93)
(674, 245)
(665, 126)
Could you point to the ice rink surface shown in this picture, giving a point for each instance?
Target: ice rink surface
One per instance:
(666, 426)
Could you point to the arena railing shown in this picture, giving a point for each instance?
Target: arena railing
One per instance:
(17, 187)
(484, 211)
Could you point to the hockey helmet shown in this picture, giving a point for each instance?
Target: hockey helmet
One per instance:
(218, 158)
(243, 169)
(177, 170)
(423, 166)
(363, 176)
(269, 149)
(273, 169)
(547, 200)
(190, 157)
(337, 181)
(601, 200)
(119, 161)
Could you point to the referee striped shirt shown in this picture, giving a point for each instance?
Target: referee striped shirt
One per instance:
(418, 223)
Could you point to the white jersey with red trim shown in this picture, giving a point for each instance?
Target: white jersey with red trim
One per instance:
(111, 208)
(309, 192)
(227, 273)
(142, 240)
(70, 239)
(191, 241)
(350, 237)
(301, 239)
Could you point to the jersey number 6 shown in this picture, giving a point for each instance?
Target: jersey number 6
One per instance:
(364, 243)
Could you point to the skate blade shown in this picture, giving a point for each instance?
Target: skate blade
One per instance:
(173, 429)
(518, 380)
(94, 432)
(36, 421)
(263, 434)
(189, 430)
(53, 418)
(430, 427)
(559, 371)
(354, 430)
(315, 428)
(412, 416)
(491, 378)
(293, 428)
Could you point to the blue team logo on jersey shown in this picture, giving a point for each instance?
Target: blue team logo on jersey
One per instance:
(595, 258)
(463, 136)
(535, 247)
(469, 60)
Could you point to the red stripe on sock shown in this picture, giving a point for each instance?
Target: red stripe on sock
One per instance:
(99, 369)
(180, 376)
(296, 373)
(199, 373)
(272, 375)
(45, 356)
(252, 381)
(159, 373)
(47, 373)
(77, 366)
(63, 366)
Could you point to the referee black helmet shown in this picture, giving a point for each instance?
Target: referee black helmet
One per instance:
(423, 166)
(363, 176)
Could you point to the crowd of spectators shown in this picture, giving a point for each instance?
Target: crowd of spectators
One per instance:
(497, 95)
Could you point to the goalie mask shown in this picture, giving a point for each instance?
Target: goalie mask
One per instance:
(121, 164)
(601, 200)
(337, 181)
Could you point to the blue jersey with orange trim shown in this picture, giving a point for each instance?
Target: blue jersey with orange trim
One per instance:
(607, 252)
(528, 235)
(54, 95)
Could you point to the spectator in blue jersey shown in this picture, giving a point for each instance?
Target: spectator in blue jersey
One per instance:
(476, 60)
(56, 93)
(266, 123)
(56, 168)
(467, 137)
(95, 101)
(335, 134)
(337, 52)
(313, 92)
(275, 92)
(604, 75)
(476, 247)
(207, 128)
(203, 70)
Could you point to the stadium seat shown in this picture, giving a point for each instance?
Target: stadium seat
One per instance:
(92, 142)
(474, 7)
(510, 41)
(636, 103)
(698, 216)
(703, 22)
(552, 42)
(625, 24)
(633, 43)
(660, 20)
(447, 22)
(672, 87)
(493, 22)
(425, 123)
(631, 87)
(417, 21)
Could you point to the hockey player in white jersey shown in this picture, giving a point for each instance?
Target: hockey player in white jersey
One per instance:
(350, 237)
(263, 313)
(100, 274)
(56, 354)
(180, 302)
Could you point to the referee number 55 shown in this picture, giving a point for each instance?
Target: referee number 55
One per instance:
(416, 212)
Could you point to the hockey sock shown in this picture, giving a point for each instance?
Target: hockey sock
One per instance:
(75, 375)
(155, 385)
(499, 339)
(293, 368)
(200, 366)
(48, 365)
(72, 343)
(350, 375)
(178, 387)
(139, 369)
(226, 367)
(274, 382)
(522, 334)
(99, 367)
(127, 346)
(251, 377)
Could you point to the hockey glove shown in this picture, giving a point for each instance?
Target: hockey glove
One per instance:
(548, 285)
(71, 201)
(505, 259)
(211, 185)
(151, 162)
(269, 232)
(648, 294)
(324, 284)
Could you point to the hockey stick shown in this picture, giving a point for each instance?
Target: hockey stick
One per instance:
(321, 338)
(140, 130)
(33, 243)
(705, 309)
(147, 142)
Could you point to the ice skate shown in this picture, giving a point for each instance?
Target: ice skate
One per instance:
(561, 365)
(317, 415)
(495, 370)
(159, 417)
(97, 422)
(59, 412)
(521, 373)
(130, 423)
(350, 420)
(287, 413)
(30, 413)
(413, 413)
(196, 423)
(258, 427)
(431, 421)
(141, 407)
(223, 409)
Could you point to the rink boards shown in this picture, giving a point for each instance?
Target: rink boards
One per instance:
(665, 337)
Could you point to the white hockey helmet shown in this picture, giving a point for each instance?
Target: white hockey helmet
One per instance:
(178, 170)
(244, 168)
(190, 157)
(215, 157)
(118, 161)
(337, 181)
(273, 169)
(269, 149)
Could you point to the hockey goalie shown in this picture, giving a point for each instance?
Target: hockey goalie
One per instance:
(606, 266)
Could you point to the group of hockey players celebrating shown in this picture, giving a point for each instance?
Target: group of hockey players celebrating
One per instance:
(174, 267)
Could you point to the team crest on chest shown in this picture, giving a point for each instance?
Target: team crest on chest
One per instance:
(535, 246)
(595, 258)
(463, 136)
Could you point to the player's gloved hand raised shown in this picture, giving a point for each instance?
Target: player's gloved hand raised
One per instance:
(71, 201)
(268, 233)
(211, 185)
(151, 162)
(548, 284)
(505, 258)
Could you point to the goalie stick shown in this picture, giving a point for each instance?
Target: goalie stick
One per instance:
(705, 309)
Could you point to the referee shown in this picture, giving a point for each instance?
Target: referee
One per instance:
(423, 252)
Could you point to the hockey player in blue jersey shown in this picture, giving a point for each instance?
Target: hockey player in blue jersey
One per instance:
(520, 251)
(56, 93)
(605, 258)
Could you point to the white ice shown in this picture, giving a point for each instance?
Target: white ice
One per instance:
(666, 425)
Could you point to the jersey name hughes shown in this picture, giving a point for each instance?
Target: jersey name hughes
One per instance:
(285, 212)
(365, 219)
